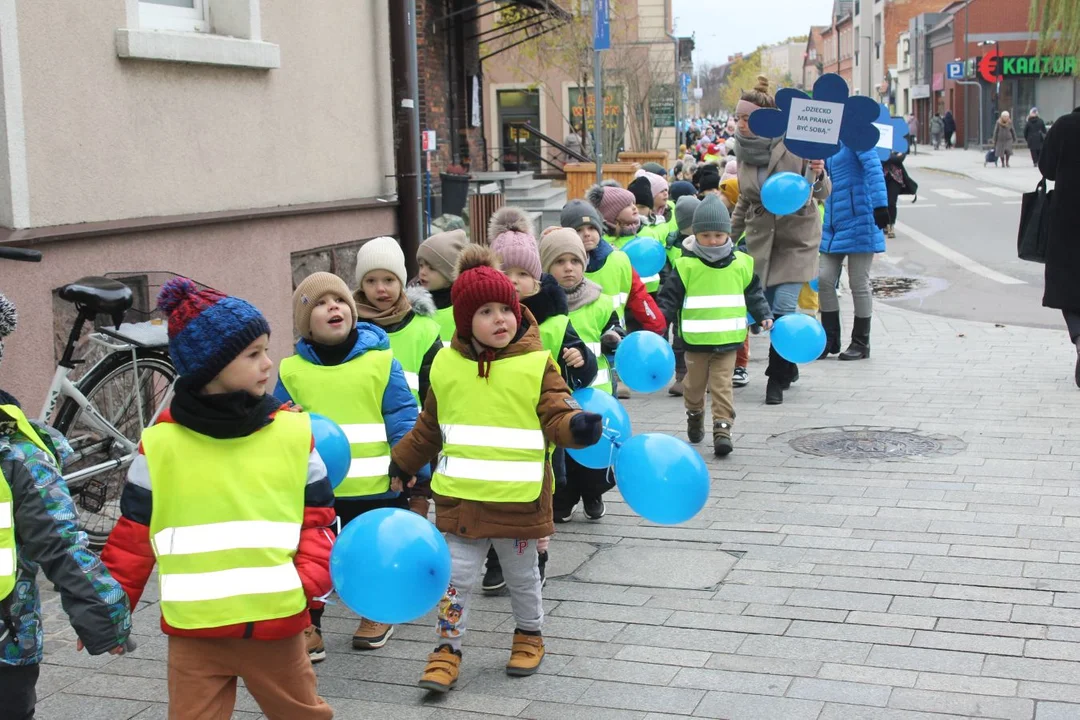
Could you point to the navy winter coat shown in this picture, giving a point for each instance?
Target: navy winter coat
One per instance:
(858, 186)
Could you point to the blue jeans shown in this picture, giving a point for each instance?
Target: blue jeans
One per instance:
(784, 298)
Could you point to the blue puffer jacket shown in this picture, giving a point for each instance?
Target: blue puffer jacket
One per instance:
(858, 186)
(399, 409)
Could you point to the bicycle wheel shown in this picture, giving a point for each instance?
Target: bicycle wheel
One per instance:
(111, 388)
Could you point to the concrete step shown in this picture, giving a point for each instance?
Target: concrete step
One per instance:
(538, 221)
(525, 184)
(540, 194)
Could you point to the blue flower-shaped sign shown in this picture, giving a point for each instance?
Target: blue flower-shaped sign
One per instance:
(814, 128)
(893, 131)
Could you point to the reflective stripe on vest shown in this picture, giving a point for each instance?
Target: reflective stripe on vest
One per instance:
(445, 319)
(410, 344)
(714, 309)
(589, 322)
(493, 444)
(351, 395)
(616, 277)
(552, 334)
(226, 521)
(8, 566)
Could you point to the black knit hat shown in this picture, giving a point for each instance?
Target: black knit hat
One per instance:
(708, 178)
(642, 189)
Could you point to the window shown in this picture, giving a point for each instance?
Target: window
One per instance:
(181, 15)
(856, 7)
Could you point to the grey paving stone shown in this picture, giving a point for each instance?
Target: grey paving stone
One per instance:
(854, 633)
(765, 665)
(1049, 691)
(64, 706)
(663, 656)
(967, 609)
(730, 623)
(539, 710)
(851, 712)
(988, 644)
(980, 627)
(805, 649)
(641, 697)
(924, 659)
(639, 673)
(610, 613)
(1052, 650)
(852, 693)
(741, 682)
(1054, 671)
(657, 567)
(966, 684)
(868, 675)
(733, 706)
(681, 638)
(916, 622)
(840, 600)
(1056, 711)
(960, 704)
(796, 613)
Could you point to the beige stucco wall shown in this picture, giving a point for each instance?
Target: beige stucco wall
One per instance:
(250, 259)
(109, 138)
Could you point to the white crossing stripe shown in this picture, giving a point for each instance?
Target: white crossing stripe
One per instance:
(364, 433)
(233, 535)
(7, 562)
(708, 326)
(498, 437)
(5, 515)
(1001, 192)
(493, 470)
(369, 467)
(413, 380)
(953, 194)
(709, 302)
(199, 587)
(960, 259)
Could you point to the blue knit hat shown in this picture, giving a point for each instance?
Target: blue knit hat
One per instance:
(207, 329)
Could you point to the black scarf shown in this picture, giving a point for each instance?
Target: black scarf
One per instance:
(548, 302)
(331, 355)
(229, 415)
(441, 298)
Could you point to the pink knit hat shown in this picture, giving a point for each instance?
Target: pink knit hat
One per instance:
(611, 202)
(511, 232)
(730, 170)
(657, 183)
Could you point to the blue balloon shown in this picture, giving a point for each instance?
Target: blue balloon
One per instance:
(798, 338)
(814, 284)
(333, 447)
(784, 193)
(390, 565)
(616, 428)
(662, 478)
(645, 361)
(647, 255)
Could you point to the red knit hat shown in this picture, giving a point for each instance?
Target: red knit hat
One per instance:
(478, 283)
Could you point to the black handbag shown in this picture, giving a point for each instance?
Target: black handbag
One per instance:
(1034, 231)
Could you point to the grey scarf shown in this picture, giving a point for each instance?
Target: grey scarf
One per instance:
(709, 254)
(755, 150)
(583, 294)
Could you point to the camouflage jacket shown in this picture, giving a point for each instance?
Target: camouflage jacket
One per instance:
(47, 536)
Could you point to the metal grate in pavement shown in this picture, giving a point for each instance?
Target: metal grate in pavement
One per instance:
(869, 443)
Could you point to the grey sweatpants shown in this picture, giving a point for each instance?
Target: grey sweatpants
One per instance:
(858, 273)
(518, 561)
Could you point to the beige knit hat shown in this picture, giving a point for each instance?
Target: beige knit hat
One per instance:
(441, 251)
(560, 242)
(308, 293)
(381, 253)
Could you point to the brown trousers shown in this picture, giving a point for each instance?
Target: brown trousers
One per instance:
(712, 370)
(277, 673)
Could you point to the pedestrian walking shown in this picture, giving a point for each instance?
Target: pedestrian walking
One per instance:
(1004, 137)
(855, 214)
(784, 247)
(1060, 162)
(950, 129)
(897, 183)
(913, 134)
(1034, 134)
(937, 130)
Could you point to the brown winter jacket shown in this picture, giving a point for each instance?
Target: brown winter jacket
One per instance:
(785, 247)
(474, 519)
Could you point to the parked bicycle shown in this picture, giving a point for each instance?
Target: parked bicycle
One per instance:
(105, 411)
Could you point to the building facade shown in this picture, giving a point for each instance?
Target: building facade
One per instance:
(813, 56)
(783, 63)
(241, 143)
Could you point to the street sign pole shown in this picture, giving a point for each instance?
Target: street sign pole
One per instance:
(601, 41)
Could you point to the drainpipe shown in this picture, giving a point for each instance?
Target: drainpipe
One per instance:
(403, 74)
(676, 87)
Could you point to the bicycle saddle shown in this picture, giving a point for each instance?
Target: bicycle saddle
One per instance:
(98, 294)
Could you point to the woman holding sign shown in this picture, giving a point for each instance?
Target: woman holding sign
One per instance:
(784, 247)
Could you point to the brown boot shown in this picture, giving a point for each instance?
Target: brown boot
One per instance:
(526, 654)
(441, 671)
(371, 635)
(316, 650)
(419, 505)
(676, 389)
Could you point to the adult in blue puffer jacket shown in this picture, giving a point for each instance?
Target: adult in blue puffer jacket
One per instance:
(855, 214)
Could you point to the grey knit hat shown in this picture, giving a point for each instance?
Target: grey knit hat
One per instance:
(711, 216)
(684, 213)
(441, 251)
(576, 214)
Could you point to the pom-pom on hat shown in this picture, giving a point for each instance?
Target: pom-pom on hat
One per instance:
(9, 319)
(610, 201)
(512, 240)
(479, 282)
(207, 329)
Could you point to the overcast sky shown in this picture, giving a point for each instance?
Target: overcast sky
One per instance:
(725, 28)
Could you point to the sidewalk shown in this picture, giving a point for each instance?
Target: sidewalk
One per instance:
(828, 578)
(1021, 175)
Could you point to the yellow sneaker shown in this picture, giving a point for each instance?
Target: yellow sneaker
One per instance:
(371, 635)
(441, 671)
(526, 654)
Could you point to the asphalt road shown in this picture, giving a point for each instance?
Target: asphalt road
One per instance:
(954, 255)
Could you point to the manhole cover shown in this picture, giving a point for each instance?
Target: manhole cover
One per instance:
(869, 443)
(891, 286)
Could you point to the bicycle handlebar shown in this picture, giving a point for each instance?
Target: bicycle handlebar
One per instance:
(21, 254)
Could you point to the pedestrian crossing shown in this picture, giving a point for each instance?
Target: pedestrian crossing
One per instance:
(960, 198)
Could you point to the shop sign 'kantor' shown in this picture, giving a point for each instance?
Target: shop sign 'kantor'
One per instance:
(994, 66)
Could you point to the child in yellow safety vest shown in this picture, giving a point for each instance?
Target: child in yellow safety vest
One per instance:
(230, 498)
(711, 290)
(345, 370)
(437, 258)
(408, 316)
(512, 242)
(497, 403)
(562, 254)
